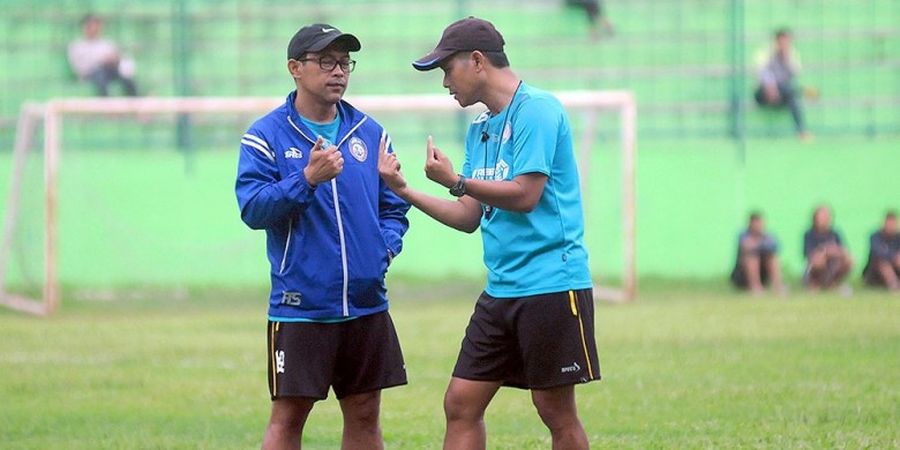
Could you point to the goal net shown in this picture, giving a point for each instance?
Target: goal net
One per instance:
(121, 198)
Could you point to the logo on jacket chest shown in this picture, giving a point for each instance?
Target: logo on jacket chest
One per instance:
(358, 149)
(293, 153)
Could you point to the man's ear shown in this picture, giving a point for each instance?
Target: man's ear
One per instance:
(294, 68)
(478, 60)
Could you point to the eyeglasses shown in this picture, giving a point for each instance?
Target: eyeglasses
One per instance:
(328, 63)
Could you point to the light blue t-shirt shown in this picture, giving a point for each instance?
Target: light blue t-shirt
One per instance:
(541, 251)
(329, 132)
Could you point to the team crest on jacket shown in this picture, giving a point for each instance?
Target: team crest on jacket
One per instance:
(358, 149)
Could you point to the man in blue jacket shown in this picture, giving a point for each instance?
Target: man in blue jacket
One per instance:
(308, 175)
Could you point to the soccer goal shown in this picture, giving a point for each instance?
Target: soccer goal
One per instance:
(110, 196)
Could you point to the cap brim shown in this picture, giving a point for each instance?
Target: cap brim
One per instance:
(352, 42)
(433, 59)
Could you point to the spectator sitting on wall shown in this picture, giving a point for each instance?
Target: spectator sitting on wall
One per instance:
(828, 261)
(595, 14)
(883, 267)
(757, 262)
(99, 60)
(776, 69)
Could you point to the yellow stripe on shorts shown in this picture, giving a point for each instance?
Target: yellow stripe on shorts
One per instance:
(587, 357)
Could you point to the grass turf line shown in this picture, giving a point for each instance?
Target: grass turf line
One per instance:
(684, 368)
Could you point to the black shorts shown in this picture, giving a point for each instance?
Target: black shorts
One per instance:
(536, 342)
(739, 277)
(361, 355)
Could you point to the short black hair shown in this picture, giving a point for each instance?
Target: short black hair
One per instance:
(497, 59)
(783, 31)
(89, 17)
(755, 215)
(891, 214)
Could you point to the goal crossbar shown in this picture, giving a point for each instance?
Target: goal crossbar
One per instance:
(50, 114)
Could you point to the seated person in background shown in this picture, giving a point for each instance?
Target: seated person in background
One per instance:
(757, 260)
(828, 261)
(776, 69)
(596, 15)
(883, 267)
(98, 60)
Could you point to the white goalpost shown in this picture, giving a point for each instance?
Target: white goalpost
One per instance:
(51, 117)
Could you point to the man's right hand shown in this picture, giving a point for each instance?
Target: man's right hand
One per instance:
(324, 163)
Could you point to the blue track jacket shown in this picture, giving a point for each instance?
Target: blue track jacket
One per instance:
(329, 246)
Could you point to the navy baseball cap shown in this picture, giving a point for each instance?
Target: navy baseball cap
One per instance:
(315, 37)
(467, 34)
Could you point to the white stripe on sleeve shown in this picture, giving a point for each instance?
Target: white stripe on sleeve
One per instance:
(260, 148)
(257, 140)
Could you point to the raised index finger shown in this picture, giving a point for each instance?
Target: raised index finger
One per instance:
(430, 147)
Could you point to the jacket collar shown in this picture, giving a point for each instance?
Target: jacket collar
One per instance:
(351, 119)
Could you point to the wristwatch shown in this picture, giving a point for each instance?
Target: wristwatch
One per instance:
(459, 189)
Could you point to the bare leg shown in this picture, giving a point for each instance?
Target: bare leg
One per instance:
(896, 266)
(750, 266)
(839, 264)
(773, 267)
(361, 426)
(888, 274)
(559, 413)
(816, 270)
(285, 429)
(464, 405)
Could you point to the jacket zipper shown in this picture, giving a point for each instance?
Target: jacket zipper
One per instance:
(287, 245)
(337, 211)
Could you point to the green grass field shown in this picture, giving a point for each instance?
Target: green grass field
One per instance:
(689, 366)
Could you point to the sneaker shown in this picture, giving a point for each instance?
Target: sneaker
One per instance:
(845, 290)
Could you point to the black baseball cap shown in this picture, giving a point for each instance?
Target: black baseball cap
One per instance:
(317, 36)
(467, 34)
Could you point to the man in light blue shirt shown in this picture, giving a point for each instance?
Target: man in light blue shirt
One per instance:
(533, 253)
(533, 325)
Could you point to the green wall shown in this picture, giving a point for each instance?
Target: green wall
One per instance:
(137, 217)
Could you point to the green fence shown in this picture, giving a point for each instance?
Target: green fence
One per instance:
(687, 61)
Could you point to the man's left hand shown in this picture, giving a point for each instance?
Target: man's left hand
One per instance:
(389, 166)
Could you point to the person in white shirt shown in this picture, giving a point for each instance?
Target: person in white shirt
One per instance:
(99, 60)
(776, 70)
